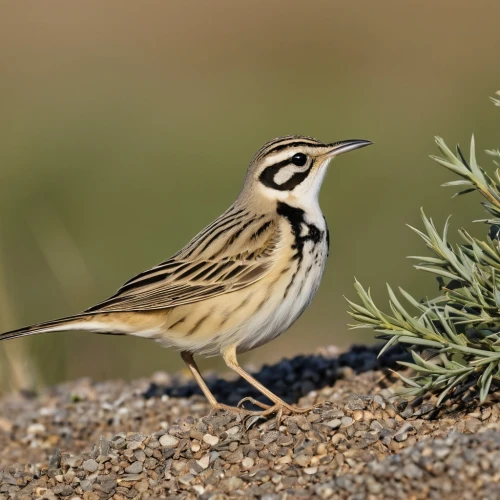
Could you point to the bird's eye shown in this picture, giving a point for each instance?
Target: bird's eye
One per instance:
(299, 159)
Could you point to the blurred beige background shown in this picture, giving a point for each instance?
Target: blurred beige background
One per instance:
(127, 126)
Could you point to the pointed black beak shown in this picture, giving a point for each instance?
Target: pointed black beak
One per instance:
(338, 148)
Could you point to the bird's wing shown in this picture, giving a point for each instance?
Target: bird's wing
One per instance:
(183, 280)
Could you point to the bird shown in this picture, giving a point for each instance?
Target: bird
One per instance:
(241, 281)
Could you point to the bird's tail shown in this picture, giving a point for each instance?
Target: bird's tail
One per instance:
(77, 322)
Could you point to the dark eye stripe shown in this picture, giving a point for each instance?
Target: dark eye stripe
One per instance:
(268, 174)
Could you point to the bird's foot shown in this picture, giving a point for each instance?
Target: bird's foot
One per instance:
(266, 410)
(254, 402)
(280, 408)
(287, 409)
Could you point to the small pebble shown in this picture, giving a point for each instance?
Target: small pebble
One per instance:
(36, 429)
(134, 468)
(90, 465)
(211, 440)
(310, 470)
(204, 461)
(168, 441)
(247, 463)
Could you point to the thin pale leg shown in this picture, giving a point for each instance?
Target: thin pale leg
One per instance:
(229, 356)
(187, 357)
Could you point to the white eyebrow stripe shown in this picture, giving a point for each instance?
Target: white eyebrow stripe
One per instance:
(278, 157)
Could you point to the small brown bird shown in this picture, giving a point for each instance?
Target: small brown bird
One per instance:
(241, 281)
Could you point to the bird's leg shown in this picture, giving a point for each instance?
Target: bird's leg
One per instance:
(229, 356)
(193, 368)
(187, 357)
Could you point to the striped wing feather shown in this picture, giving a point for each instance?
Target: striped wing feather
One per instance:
(183, 280)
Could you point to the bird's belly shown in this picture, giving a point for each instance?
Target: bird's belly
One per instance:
(249, 317)
(284, 305)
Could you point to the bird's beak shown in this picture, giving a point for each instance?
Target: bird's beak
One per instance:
(337, 148)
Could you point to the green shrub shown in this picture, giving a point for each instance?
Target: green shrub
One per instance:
(454, 338)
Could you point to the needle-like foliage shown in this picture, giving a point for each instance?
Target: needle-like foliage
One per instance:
(454, 338)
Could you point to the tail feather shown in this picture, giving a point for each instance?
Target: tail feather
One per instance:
(142, 324)
(78, 322)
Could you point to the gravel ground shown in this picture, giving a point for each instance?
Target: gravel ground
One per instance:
(155, 438)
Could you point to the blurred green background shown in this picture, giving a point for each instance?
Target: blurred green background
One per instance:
(127, 126)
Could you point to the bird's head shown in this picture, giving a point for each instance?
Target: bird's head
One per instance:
(293, 167)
